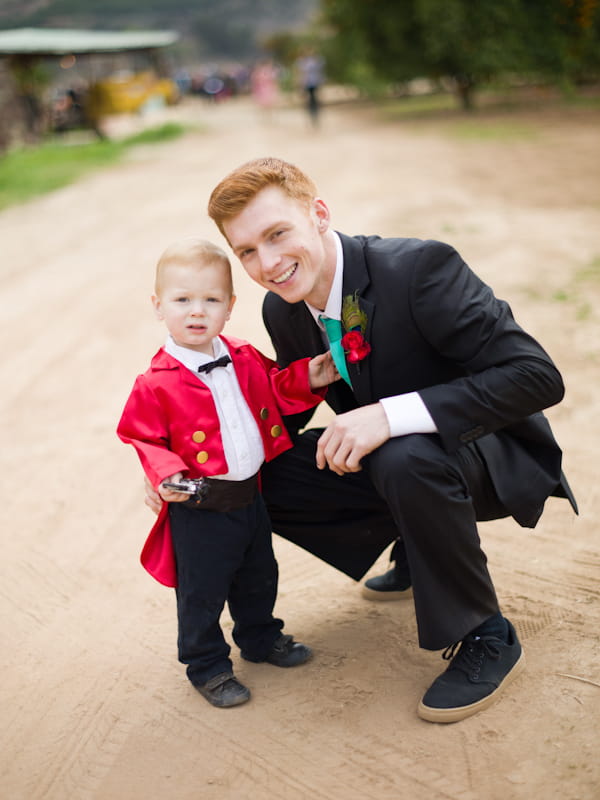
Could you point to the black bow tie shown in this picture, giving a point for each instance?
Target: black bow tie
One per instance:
(220, 362)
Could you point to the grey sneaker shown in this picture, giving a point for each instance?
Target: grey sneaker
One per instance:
(288, 653)
(224, 690)
(476, 677)
(285, 652)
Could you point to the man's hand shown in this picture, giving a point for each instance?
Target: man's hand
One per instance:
(350, 437)
(322, 371)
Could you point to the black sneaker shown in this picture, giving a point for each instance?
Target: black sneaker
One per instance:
(395, 584)
(288, 653)
(224, 690)
(475, 678)
(284, 653)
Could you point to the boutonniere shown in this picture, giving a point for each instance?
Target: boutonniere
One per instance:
(355, 323)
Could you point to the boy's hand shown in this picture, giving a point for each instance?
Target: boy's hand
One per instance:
(170, 495)
(322, 371)
(152, 498)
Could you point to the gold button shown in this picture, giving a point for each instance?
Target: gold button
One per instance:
(264, 413)
(202, 457)
(198, 436)
(276, 431)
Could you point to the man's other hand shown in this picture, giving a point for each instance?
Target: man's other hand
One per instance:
(351, 436)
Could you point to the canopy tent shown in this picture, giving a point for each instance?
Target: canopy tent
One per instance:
(23, 48)
(59, 42)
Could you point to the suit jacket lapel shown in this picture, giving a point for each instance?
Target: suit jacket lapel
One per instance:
(356, 280)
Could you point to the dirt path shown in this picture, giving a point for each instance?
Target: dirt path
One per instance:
(94, 703)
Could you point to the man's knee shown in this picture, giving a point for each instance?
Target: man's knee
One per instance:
(407, 465)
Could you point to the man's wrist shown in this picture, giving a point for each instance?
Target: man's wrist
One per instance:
(407, 413)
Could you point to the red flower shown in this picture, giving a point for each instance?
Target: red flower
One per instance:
(355, 346)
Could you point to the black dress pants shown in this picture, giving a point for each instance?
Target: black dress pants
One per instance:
(223, 557)
(410, 489)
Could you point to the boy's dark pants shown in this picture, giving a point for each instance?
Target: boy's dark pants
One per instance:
(223, 556)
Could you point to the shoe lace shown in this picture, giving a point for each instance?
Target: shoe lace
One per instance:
(473, 651)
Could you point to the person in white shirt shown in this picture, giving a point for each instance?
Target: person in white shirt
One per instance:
(310, 67)
(211, 407)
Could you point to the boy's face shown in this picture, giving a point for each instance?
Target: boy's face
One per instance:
(195, 303)
(280, 243)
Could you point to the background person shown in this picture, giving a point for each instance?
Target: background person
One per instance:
(311, 76)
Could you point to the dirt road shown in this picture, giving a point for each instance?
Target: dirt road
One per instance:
(94, 703)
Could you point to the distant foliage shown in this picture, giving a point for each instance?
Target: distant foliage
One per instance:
(469, 42)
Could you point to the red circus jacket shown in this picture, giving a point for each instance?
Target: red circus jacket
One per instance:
(171, 419)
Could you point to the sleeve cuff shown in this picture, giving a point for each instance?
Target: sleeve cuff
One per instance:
(407, 413)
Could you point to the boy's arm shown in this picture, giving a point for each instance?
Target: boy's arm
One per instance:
(288, 346)
(143, 424)
(291, 386)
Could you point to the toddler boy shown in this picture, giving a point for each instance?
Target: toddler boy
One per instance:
(211, 407)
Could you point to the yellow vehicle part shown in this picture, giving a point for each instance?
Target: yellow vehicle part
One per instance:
(122, 95)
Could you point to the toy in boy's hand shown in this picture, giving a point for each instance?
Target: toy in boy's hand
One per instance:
(192, 486)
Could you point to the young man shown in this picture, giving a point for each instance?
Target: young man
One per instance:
(438, 422)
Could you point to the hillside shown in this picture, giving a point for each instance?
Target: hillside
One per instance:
(229, 28)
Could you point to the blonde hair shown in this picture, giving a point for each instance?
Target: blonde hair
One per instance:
(236, 190)
(192, 252)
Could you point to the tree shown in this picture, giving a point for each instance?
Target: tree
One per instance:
(381, 38)
(564, 39)
(468, 42)
(471, 42)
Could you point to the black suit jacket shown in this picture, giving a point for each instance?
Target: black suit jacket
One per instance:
(436, 328)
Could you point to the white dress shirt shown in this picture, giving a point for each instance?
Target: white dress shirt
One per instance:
(406, 413)
(242, 444)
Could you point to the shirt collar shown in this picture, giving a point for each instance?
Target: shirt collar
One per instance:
(192, 359)
(333, 307)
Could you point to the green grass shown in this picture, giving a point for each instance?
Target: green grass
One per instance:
(591, 272)
(455, 122)
(495, 116)
(28, 172)
(584, 101)
(162, 133)
(492, 130)
(585, 281)
(418, 105)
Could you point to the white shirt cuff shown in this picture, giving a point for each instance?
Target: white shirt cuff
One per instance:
(407, 413)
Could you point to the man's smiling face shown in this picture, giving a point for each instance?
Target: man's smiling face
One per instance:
(281, 244)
